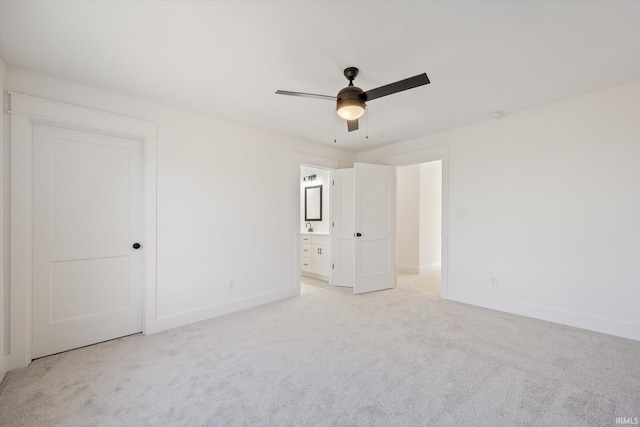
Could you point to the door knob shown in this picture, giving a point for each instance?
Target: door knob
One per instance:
(358, 234)
(136, 245)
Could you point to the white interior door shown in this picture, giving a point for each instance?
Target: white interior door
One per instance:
(343, 250)
(375, 263)
(87, 214)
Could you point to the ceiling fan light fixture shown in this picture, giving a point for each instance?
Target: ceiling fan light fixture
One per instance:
(350, 109)
(351, 112)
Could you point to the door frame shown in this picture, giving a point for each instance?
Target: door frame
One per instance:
(25, 111)
(429, 155)
(318, 162)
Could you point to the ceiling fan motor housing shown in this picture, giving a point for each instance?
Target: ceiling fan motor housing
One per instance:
(350, 95)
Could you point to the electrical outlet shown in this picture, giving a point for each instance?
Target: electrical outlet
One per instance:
(232, 285)
(462, 212)
(493, 281)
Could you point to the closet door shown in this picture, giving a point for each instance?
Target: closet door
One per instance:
(87, 226)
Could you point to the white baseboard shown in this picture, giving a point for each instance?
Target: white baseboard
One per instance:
(583, 321)
(414, 269)
(205, 313)
(315, 276)
(4, 364)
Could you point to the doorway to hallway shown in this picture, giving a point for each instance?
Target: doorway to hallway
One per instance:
(419, 227)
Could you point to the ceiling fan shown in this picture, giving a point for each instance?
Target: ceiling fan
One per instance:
(351, 101)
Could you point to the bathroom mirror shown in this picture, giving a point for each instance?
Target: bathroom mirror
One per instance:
(313, 203)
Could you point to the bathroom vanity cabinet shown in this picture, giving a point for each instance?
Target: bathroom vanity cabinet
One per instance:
(315, 255)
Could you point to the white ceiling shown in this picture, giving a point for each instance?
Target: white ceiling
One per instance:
(226, 59)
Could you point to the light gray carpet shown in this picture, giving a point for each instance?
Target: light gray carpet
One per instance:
(402, 357)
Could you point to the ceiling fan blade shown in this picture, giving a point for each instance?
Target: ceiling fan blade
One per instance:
(396, 87)
(306, 95)
(352, 125)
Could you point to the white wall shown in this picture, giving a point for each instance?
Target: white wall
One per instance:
(323, 177)
(227, 202)
(408, 218)
(430, 214)
(4, 227)
(546, 200)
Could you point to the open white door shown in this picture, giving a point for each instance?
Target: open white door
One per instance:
(374, 196)
(343, 228)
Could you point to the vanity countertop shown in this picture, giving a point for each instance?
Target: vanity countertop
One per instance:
(316, 233)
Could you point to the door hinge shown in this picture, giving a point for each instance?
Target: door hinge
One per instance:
(333, 182)
(333, 267)
(333, 224)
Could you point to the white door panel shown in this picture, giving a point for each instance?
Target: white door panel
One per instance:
(101, 284)
(87, 213)
(375, 263)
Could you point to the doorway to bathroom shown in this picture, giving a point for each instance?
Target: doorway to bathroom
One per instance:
(419, 227)
(315, 225)
(361, 227)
